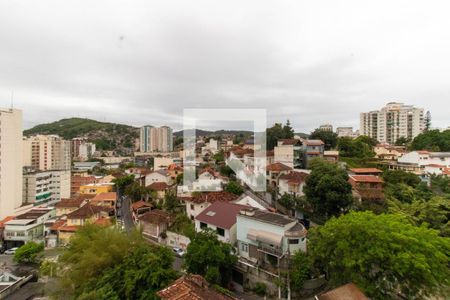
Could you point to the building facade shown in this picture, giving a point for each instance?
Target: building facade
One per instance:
(156, 139)
(81, 150)
(47, 152)
(45, 186)
(11, 149)
(392, 122)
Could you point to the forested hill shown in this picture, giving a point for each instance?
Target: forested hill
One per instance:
(106, 136)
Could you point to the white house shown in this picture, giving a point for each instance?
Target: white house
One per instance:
(198, 202)
(251, 200)
(221, 218)
(423, 158)
(264, 237)
(158, 176)
(292, 183)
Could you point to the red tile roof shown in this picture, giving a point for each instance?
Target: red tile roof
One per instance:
(108, 196)
(294, 177)
(314, 143)
(423, 152)
(365, 170)
(158, 186)
(277, 167)
(211, 197)
(348, 292)
(69, 203)
(155, 216)
(140, 204)
(220, 214)
(6, 219)
(69, 228)
(58, 224)
(87, 210)
(191, 287)
(103, 221)
(289, 141)
(366, 178)
(435, 166)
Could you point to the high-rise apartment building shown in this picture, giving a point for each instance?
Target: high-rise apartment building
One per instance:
(156, 139)
(47, 152)
(326, 127)
(48, 187)
(393, 121)
(81, 149)
(11, 148)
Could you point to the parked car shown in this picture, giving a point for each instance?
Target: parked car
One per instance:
(11, 251)
(178, 251)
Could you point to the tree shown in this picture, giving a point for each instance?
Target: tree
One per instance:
(30, 253)
(300, 270)
(211, 258)
(432, 140)
(138, 192)
(105, 263)
(234, 188)
(171, 202)
(219, 157)
(383, 254)
(434, 213)
(328, 137)
(361, 147)
(427, 121)
(327, 188)
(402, 141)
(122, 182)
(276, 132)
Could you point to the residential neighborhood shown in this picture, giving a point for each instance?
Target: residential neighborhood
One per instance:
(224, 150)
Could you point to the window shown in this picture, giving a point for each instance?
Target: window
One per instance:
(203, 225)
(192, 206)
(293, 241)
(244, 247)
(220, 231)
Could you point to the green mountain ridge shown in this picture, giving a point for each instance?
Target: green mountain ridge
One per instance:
(106, 136)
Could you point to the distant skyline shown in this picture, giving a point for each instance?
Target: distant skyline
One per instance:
(143, 62)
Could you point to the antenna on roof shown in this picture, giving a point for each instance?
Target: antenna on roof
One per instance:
(12, 99)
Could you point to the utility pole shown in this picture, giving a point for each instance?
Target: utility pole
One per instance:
(288, 272)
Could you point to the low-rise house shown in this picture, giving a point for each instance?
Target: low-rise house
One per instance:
(105, 199)
(366, 171)
(139, 208)
(434, 169)
(76, 181)
(190, 287)
(388, 152)
(200, 201)
(66, 206)
(274, 171)
(250, 199)
(209, 180)
(221, 218)
(331, 156)
(312, 149)
(288, 152)
(27, 227)
(348, 291)
(367, 188)
(174, 170)
(161, 175)
(96, 188)
(423, 158)
(266, 238)
(292, 183)
(86, 214)
(154, 223)
(160, 188)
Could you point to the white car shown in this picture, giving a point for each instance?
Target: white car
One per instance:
(178, 251)
(11, 251)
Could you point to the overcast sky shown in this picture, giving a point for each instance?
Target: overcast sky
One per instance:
(143, 62)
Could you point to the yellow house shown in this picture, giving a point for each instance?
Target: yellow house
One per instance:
(96, 188)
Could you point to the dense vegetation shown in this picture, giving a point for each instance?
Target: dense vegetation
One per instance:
(277, 132)
(432, 140)
(104, 263)
(211, 258)
(30, 253)
(328, 137)
(327, 189)
(106, 136)
(383, 254)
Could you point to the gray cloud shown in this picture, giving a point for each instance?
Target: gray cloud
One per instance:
(142, 63)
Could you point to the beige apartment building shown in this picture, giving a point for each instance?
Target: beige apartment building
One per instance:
(156, 139)
(393, 121)
(46, 152)
(10, 161)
